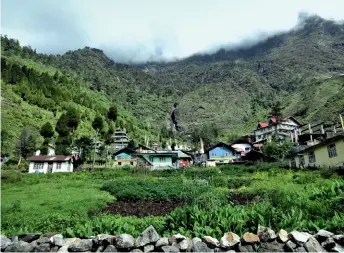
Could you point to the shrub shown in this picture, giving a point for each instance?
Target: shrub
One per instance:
(219, 181)
(10, 176)
(326, 172)
(235, 183)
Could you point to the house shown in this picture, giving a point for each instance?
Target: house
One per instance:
(125, 156)
(120, 140)
(285, 129)
(221, 153)
(158, 159)
(143, 149)
(50, 163)
(243, 145)
(182, 160)
(253, 156)
(328, 153)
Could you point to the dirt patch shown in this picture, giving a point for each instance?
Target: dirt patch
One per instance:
(139, 208)
(239, 198)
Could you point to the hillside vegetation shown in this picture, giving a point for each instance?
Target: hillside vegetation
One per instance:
(218, 95)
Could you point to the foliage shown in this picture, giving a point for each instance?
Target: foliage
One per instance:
(98, 123)
(277, 151)
(47, 130)
(28, 141)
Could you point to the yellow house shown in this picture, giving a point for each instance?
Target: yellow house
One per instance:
(328, 153)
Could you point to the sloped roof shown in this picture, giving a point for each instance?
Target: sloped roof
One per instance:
(325, 142)
(182, 154)
(124, 149)
(262, 124)
(50, 158)
(221, 144)
(143, 146)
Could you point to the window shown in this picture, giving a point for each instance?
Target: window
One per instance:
(58, 166)
(131, 163)
(226, 154)
(151, 158)
(311, 157)
(247, 148)
(38, 166)
(302, 161)
(119, 163)
(213, 154)
(331, 149)
(162, 159)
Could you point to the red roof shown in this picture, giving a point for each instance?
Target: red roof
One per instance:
(50, 158)
(274, 120)
(263, 124)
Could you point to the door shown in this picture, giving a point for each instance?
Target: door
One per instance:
(50, 167)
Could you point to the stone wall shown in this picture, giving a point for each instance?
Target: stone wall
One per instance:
(266, 240)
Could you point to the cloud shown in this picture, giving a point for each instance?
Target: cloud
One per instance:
(136, 31)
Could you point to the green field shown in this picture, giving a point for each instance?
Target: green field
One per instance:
(215, 200)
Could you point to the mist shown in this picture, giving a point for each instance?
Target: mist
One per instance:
(152, 30)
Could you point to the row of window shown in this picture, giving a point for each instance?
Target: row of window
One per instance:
(39, 166)
(214, 154)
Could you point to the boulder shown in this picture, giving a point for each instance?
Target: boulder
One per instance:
(201, 247)
(229, 240)
(104, 239)
(245, 248)
(250, 238)
(290, 246)
(161, 242)
(169, 249)
(57, 240)
(29, 237)
(43, 240)
(185, 245)
(149, 235)
(322, 235)
(15, 238)
(43, 247)
(19, 246)
(339, 239)
(110, 248)
(67, 243)
(5, 242)
(82, 246)
(300, 249)
(312, 245)
(196, 240)
(271, 247)
(299, 237)
(148, 248)
(265, 234)
(124, 241)
(54, 249)
(136, 250)
(210, 241)
(100, 249)
(34, 244)
(282, 235)
(49, 234)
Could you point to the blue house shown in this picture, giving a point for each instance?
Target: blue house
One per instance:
(221, 153)
(125, 156)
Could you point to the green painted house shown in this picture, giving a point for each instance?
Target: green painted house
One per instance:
(158, 159)
(125, 156)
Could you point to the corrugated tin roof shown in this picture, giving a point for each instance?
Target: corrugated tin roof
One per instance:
(48, 158)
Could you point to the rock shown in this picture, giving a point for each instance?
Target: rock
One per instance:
(57, 240)
(201, 247)
(104, 239)
(322, 235)
(229, 240)
(338, 248)
(328, 244)
(82, 246)
(43, 240)
(161, 242)
(110, 248)
(136, 250)
(43, 247)
(290, 246)
(49, 234)
(34, 244)
(300, 249)
(245, 248)
(169, 249)
(312, 245)
(124, 241)
(148, 248)
(29, 237)
(100, 249)
(282, 235)
(185, 245)
(196, 240)
(19, 246)
(299, 237)
(5, 242)
(250, 238)
(339, 239)
(54, 249)
(67, 243)
(15, 238)
(271, 247)
(146, 237)
(210, 241)
(265, 234)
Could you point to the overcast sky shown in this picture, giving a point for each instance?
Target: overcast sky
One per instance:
(140, 30)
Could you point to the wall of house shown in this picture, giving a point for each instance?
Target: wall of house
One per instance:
(242, 146)
(158, 163)
(66, 166)
(221, 153)
(125, 159)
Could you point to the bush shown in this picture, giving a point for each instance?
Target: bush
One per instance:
(219, 181)
(235, 183)
(326, 172)
(10, 176)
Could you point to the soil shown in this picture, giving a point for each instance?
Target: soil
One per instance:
(239, 198)
(139, 208)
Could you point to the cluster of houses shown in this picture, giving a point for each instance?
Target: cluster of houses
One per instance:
(320, 145)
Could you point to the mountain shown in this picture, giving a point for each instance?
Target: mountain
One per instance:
(219, 95)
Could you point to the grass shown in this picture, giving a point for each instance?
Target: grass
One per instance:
(282, 198)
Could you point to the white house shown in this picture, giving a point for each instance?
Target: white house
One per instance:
(50, 163)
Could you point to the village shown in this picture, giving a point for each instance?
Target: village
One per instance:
(315, 146)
